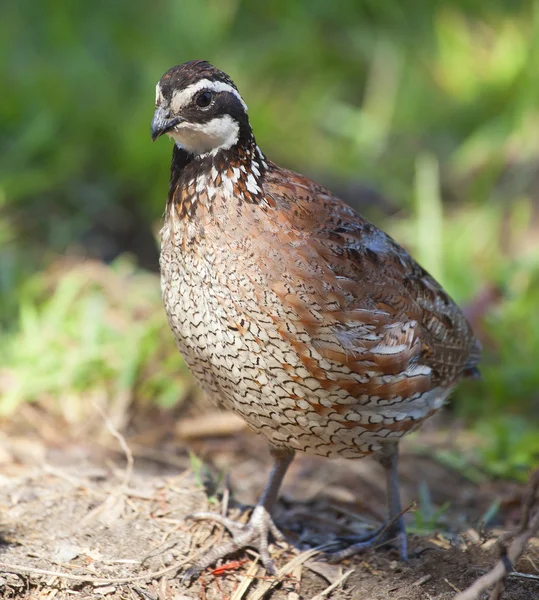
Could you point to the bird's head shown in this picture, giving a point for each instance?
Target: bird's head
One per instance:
(200, 108)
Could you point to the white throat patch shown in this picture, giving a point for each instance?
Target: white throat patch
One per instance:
(220, 133)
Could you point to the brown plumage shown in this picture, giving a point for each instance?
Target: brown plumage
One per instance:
(289, 307)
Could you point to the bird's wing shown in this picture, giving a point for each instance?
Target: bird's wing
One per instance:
(358, 299)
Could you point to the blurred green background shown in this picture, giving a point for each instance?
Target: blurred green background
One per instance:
(424, 115)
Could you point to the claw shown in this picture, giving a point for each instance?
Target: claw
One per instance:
(189, 575)
(253, 534)
(229, 524)
(383, 535)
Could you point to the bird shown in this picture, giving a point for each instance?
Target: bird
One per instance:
(293, 310)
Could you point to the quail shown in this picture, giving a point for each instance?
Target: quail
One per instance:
(290, 308)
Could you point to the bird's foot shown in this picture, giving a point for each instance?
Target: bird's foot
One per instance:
(392, 532)
(253, 534)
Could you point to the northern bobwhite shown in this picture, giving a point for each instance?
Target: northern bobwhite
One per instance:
(290, 308)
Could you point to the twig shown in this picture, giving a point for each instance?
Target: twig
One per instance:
(18, 569)
(529, 527)
(246, 581)
(217, 423)
(226, 499)
(143, 593)
(299, 559)
(324, 594)
(123, 444)
(74, 481)
(423, 580)
(378, 534)
(452, 585)
(390, 524)
(524, 576)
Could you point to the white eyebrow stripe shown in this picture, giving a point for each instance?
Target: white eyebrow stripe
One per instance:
(182, 98)
(158, 95)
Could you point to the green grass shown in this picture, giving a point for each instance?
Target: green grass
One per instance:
(427, 518)
(206, 479)
(510, 449)
(91, 333)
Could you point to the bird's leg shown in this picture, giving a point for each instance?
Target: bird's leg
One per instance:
(395, 521)
(393, 529)
(255, 533)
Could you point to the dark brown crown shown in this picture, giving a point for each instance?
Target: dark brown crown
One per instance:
(184, 75)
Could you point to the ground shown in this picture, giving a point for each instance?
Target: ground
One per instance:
(78, 520)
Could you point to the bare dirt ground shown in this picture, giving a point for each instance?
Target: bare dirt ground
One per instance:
(78, 520)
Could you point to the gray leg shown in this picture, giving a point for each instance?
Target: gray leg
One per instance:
(390, 461)
(254, 533)
(393, 529)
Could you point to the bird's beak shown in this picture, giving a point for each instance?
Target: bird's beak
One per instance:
(161, 122)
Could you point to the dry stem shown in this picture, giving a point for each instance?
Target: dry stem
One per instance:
(529, 527)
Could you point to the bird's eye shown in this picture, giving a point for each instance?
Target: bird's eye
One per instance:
(204, 99)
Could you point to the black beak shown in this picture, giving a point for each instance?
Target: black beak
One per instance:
(161, 122)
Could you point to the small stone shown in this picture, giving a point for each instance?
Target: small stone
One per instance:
(65, 552)
(103, 591)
